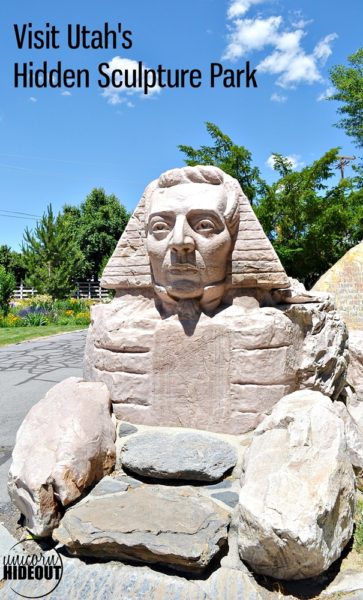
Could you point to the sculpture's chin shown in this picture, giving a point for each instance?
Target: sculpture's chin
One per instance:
(184, 289)
(208, 298)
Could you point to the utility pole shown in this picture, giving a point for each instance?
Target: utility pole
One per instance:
(343, 161)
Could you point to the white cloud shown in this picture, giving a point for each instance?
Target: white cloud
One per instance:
(130, 105)
(237, 8)
(66, 94)
(294, 160)
(32, 99)
(327, 94)
(286, 56)
(291, 62)
(323, 50)
(129, 69)
(298, 21)
(251, 34)
(278, 98)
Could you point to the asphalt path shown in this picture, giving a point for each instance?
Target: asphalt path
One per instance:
(27, 371)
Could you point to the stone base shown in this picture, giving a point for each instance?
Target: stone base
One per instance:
(226, 375)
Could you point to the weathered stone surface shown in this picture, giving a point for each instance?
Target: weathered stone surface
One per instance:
(231, 584)
(354, 439)
(355, 409)
(346, 582)
(345, 282)
(355, 368)
(186, 455)
(297, 499)
(177, 527)
(110, 581)
(324, 351)
(64, 445)
(239, 364)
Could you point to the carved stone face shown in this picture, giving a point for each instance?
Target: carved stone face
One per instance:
(187, 238)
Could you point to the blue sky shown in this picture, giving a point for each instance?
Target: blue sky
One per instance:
(57, 144)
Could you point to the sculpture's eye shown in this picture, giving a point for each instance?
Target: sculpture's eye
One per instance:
(160, 226)
(204, 226)
(159, 229)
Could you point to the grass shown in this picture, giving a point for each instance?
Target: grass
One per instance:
(358, 534)
(14, 335)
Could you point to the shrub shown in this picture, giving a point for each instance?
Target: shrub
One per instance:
(11, 321)
(82, 318)
(35, 319)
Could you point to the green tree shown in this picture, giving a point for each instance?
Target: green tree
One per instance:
(13, 262)
(102, 221)
(232, 159)
(7, 286)
(51, 255)
(311, 223)
(348, 81)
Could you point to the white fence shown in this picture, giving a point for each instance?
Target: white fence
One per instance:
(85, 289)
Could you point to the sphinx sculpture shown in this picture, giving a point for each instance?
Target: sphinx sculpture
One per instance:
(201, 333)
(206, 332)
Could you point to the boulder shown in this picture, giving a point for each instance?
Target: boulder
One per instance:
(354, 439)
(64, 445)
(171, 526)
(297, 500)
(355, 368)
(187, 455)
(324, 348)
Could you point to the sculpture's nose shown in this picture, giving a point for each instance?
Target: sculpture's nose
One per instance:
(180, 240)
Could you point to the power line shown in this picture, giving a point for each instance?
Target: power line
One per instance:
(16, 217)
(16, 212)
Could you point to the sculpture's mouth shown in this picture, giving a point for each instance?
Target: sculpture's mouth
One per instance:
(178, 268)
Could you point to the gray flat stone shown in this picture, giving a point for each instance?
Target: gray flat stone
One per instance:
(226, 483)
(130, 481)
(185, 455)
(126, 429)
(109, 485)
(173, 526)
(229, 498)
(111, 581)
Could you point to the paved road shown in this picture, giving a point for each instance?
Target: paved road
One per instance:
(27, 371)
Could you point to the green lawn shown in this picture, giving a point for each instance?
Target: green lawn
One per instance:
(358, 535)
(13, 335)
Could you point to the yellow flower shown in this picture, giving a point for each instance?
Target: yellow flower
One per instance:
(69, 313)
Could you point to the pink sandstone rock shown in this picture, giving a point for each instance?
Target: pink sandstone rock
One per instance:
(64, 445)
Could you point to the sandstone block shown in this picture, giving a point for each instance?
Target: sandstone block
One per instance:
(297, 500)
(64, 445)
